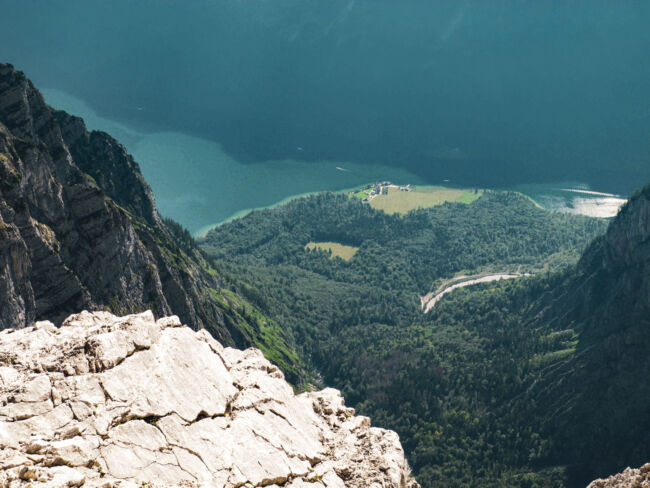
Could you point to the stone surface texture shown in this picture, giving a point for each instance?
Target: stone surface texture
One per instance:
(105, 401)
(630, 478)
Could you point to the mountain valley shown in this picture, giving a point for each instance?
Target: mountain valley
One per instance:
(536, 381)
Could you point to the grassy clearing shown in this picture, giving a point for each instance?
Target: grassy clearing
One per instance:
(421, 197)
(338, 250)
(362, 194)
(264, 333)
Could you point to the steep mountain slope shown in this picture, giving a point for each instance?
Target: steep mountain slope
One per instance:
(79, 230)
(600, 398)
(132, 402)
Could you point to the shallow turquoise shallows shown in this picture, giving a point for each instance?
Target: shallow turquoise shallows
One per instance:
(196, 183)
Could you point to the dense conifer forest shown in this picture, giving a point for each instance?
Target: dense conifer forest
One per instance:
(456, 383)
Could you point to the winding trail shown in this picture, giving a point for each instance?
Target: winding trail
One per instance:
(429, 300)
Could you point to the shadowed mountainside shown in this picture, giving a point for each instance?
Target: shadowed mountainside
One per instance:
(597, 404)
(79, 230)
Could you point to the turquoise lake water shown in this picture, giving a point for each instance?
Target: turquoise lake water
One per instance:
(230, 105)
(488, 94)
(197, 184)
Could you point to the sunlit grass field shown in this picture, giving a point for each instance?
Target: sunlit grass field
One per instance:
(421, 197)
(338, 250)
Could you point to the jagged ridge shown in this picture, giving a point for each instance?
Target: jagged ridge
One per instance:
(84, 229)
(107, 401)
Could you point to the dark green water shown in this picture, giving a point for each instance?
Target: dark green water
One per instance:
(491, 94)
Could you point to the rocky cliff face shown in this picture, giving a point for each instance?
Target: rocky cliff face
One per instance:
(79, 228)
(109, 402)
(613, 276)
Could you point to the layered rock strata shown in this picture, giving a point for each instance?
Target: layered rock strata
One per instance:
(110, 402)
(79, 227)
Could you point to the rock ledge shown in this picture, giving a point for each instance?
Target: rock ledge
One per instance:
(630, 478)
(111, 402)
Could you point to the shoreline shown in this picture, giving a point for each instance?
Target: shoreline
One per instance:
(156, 153)
(203, 231)
(592, 204)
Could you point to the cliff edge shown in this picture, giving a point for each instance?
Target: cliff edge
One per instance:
(108, 402)
(630, 478)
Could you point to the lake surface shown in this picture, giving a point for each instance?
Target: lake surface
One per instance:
(197, 184)
(574, 197)
(488, 94)
(230, 105)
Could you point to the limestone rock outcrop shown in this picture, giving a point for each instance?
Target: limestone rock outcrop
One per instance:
(630, 478)
(107, 402)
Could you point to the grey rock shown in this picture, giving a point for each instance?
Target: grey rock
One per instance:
(106, 401)
(630, 478)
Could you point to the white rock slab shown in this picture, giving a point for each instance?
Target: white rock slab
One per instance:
(112, 402)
